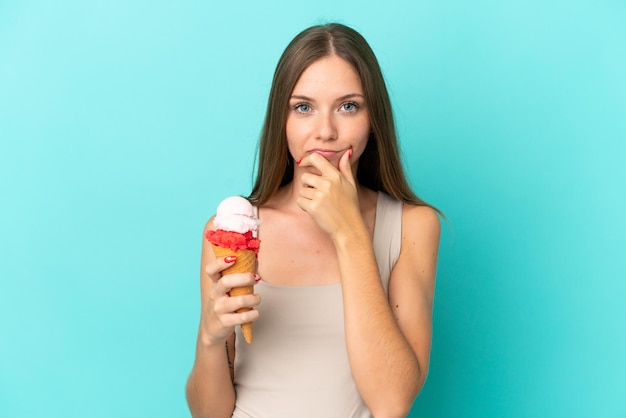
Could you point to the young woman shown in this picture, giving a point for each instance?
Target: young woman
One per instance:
(342, 315)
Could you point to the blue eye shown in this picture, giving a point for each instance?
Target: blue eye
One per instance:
(302, 107)
(349, 107)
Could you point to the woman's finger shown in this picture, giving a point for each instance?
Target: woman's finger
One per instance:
(230, 304)
(214, 269)
(227, 282)
(309, 180)
(345, 167)
(218, 290)
(237, 280)
(320, 163)
(310, 193)
(234, 319)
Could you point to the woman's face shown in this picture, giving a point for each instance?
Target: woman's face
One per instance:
(327, 112)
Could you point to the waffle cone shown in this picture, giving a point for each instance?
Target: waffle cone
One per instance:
(246, 263)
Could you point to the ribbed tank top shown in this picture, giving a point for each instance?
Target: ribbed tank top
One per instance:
(297, 365)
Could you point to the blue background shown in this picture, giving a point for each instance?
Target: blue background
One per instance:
(122, 125)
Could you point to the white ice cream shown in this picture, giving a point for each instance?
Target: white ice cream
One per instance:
(236, 214)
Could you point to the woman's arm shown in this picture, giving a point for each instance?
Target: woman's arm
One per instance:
(210, 391)
(389, 340)
(388, 349)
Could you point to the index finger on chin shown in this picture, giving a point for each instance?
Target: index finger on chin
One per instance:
(317, 161)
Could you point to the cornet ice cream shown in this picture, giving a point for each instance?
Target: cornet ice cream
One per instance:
(235, 229)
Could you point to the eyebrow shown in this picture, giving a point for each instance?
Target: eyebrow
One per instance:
(346, 97)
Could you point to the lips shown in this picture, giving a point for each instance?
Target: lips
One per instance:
(326, 153)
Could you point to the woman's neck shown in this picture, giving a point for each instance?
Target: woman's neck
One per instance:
(286, 197)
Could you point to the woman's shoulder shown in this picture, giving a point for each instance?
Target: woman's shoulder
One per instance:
(209, 223)
(412, 210)
(423, 218)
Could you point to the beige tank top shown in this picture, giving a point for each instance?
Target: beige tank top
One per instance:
(297, 366)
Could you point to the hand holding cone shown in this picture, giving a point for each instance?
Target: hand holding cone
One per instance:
(235, 223)
(246, 263)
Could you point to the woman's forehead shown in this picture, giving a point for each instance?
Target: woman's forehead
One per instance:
(330, 75)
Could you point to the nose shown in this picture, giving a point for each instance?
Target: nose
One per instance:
(326, 129)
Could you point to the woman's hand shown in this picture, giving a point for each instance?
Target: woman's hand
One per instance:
(331, 197)
(219, 316)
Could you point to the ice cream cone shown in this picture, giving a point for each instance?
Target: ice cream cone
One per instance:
(246, 263)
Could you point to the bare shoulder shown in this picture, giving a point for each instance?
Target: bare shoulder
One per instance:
(419, 250)
(413, 277)
(209, 223)
(208, 226)
(420, 222)
(207, 253)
